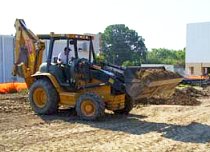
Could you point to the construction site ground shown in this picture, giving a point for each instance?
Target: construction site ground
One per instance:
(147, 128)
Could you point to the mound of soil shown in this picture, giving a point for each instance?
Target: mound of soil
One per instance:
(195, 92)
(186, 96)
(183, 97)
(152, 82)
(156, 74)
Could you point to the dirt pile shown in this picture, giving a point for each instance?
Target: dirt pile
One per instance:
(186, 96)
(156, 74)
(183, 97)
(195, 92)
(152, 83)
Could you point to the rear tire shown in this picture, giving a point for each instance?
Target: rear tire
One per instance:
(90, 106)
(128, 106)
(43, 97)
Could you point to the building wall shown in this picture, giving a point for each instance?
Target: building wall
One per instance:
(6, 58)
(197, 48)
(197, 68)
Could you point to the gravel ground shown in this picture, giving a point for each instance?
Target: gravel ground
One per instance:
(148, 128)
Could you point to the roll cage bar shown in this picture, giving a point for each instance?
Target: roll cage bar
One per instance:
(71, 39)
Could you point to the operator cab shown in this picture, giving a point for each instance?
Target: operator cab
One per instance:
(78, 60)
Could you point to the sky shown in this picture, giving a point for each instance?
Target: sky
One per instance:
(162, 23)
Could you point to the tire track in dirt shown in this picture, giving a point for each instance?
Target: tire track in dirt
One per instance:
(64, 132)
(150, 128)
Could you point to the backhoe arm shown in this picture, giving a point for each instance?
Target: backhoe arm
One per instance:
(28, 52)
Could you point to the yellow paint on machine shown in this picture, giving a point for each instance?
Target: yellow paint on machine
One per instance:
(112, 102)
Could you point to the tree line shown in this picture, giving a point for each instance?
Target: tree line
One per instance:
(123, 46)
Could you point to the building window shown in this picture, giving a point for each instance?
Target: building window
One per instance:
(191, 70)
(204, 70)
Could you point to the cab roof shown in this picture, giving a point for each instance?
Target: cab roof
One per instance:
(65, 36)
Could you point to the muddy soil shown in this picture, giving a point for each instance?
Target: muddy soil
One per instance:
(156, 74)
(148, 128)
(186, 96)
(148, 83)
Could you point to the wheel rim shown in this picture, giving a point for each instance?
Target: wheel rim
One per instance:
(88, 108)
(40, 97)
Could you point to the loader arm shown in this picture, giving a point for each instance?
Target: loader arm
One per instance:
(143, 82)
(28, 52)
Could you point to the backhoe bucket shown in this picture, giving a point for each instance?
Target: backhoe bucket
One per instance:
(141, 82)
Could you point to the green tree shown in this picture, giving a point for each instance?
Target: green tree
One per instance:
(119, 44)
(166, 56)
(127, 63)
(100, 57)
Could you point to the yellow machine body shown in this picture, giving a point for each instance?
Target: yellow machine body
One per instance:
(113, 102)
(106, 89)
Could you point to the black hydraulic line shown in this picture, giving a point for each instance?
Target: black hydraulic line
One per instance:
(50, 51)
(92, 51)
(23, 25)
(75, 49)
(67, 56)
(115, 66)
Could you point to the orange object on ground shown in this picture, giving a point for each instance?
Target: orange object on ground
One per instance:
(197, 77)
(12, 87)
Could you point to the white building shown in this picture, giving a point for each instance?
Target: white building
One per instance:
(6, 57)
(198, 49)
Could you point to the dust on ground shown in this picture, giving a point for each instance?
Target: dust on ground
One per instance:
(148, 128)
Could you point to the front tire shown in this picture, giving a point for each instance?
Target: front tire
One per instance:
(128, 106)
(43, 97)
(90, 106)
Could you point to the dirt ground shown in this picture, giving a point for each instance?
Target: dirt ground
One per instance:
(148, 128)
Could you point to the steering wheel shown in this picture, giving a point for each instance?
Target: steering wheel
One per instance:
(80, 66)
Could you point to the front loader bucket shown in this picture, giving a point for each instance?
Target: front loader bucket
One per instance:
(150, 82)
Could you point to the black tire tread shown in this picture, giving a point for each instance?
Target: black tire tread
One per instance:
(128, 107)
(100, 106)
(51, 106)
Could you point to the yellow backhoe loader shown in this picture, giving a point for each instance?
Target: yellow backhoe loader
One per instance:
(85, 84)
